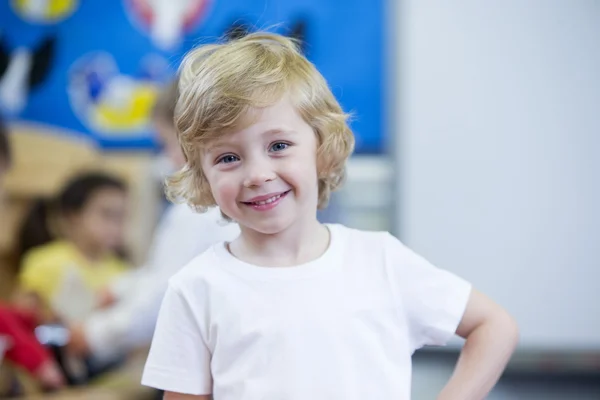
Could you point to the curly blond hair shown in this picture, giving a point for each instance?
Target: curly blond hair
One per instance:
(219, 83)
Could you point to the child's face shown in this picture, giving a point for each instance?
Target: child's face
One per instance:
(265, 176)
(102, 220)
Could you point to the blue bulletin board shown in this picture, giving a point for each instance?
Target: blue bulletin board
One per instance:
(94, 67)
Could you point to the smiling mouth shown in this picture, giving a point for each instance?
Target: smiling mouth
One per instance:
(270, 200)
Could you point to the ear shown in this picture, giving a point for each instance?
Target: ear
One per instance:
(43, 57)
(237, 30)
(299, 33)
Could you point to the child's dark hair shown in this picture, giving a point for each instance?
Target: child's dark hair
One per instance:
(36, 229)
(5, 155)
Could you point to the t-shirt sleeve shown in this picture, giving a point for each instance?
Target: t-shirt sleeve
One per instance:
(433, 299)
(179, 360)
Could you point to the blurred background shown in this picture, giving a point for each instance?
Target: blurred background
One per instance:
(478, 137)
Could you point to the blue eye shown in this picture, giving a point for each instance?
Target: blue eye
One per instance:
(279, 146)
(229, 158)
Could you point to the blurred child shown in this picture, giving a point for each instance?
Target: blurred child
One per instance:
(292, 308)
(70, 246)
(18, 321)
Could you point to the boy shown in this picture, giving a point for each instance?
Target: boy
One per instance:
(293, 309)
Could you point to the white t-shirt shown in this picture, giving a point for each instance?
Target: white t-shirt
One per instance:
(341, 327)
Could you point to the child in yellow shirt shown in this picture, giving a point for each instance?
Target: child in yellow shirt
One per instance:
(69, 247)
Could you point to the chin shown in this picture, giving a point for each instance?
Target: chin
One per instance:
(272, 226)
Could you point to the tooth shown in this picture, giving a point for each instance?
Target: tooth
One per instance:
(263, 202)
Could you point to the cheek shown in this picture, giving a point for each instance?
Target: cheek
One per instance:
(90, 225)
(302, 172)
(103, 228)
(224, 190)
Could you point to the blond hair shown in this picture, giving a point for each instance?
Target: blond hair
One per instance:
(220, 83)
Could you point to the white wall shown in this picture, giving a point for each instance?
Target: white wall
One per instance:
(498, 149)
(365, 201)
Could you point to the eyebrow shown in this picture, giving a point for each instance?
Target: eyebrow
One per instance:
(275, 131)
(218, 144)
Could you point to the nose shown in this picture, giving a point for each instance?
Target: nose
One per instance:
(258, 172)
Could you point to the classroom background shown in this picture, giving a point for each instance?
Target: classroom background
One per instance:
(478, 144)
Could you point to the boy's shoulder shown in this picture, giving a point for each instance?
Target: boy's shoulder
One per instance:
(378, 246)
(358, 239)
(198, 268)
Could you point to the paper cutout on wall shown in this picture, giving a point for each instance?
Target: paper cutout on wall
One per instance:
(44, 11)
(22, 70)
(109, 102)
(167, 21)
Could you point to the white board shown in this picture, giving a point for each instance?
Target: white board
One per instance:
(498, 150)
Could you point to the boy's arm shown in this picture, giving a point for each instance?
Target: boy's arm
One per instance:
(179, 396)
(491, 337)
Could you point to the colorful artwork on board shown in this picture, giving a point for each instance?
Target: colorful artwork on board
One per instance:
(167, 21)
(44, 11)
(23, 70)
(95, 67)
(112, 103)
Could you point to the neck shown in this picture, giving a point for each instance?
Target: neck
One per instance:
(300, 243)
